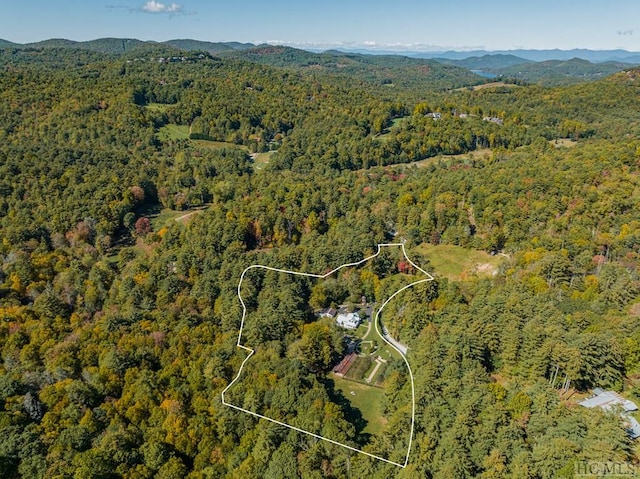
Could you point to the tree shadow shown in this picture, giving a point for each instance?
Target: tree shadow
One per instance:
(354, 415)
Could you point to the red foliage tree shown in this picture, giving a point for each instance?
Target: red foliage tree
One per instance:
(143, 226)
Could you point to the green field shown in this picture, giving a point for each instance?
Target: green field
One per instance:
(159, 107)
(261, 159)
(173, 132)
(456, 262)
(166, 217)
(367, 399)
(385, 134)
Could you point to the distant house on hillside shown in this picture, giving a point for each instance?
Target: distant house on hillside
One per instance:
(493, 119)
(612, 401)
(348, 320)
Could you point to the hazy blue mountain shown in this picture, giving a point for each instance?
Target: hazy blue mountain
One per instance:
(634, 59)
(486, 62)
(594, 56)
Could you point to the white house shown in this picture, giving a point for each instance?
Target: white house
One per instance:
(348, 320)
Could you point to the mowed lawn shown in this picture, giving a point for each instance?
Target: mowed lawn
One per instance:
(367, 399)
(172, 132)
(458, 263)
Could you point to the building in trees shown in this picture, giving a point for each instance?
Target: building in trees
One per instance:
(348, 320)
(612, 401)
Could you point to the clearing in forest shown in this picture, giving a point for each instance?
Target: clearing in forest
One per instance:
(458, 263)
(361, 392)
(261, 159)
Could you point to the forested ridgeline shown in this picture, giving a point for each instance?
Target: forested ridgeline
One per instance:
(119, 331)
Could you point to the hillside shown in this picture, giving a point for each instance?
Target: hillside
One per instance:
(7, 44)
(122, 45)
(136, 192)
(594, 56)
(391, 71)
(557, 72)
(486, 62)
(211, 47)
(382, 69)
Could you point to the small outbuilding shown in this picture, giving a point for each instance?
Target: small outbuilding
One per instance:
(327, 313)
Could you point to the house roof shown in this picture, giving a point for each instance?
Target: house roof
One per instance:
(633, 427)
(607, 400)
(348, 318)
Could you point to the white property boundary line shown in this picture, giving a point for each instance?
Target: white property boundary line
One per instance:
(376, 320)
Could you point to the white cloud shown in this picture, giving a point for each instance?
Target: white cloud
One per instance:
(158, 7)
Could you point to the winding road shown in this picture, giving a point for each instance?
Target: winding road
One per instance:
(399, 346)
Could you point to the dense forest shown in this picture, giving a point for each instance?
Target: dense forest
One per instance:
(136, 187)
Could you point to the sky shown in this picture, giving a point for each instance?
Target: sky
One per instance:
(413, 25)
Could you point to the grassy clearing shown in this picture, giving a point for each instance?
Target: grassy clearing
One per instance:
(475, 154)
(261, 159)
(484, 86)
(367, 399)
(563, 143)
(159, 107)
(166, 217)
(394, 123)
(173, 132)
(458, 263)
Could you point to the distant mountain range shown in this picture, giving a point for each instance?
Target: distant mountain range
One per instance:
(383, 70)
(549, 72)
(115, 45)
(486, 62)
(551, 67)
(387, 70)
(594, 56)
(122, 45)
